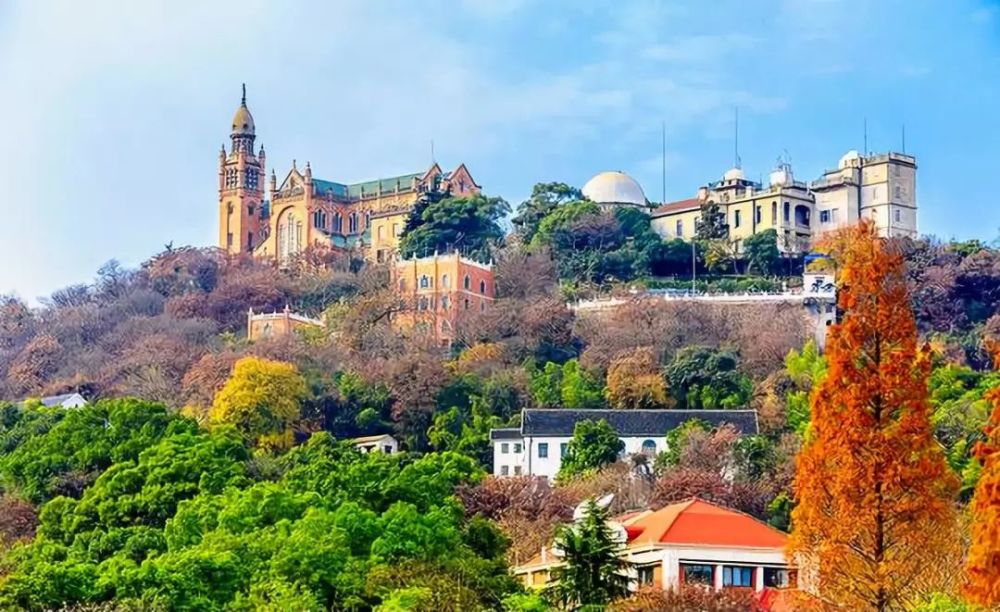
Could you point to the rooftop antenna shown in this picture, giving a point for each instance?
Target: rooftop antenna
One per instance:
(663, 158)
(866, 136)
(904, 138)
(736, 137)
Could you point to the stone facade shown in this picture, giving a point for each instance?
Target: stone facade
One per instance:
(304, 211)
(438, 290)
(879, 187)
(275, 324)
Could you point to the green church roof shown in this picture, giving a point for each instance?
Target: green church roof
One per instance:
(355, 190)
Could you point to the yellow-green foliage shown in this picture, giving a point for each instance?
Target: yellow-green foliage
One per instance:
(262, 400)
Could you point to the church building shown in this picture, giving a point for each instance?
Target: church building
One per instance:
(303, 211)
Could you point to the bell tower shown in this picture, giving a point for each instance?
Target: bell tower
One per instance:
(241, 186)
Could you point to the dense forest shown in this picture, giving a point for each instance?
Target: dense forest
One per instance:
(228, 484)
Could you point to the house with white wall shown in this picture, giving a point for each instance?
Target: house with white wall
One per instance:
(537, 447)
(381, 443)
(690, 542)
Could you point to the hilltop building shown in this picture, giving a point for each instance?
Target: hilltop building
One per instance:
(614, 189)
(880, 187)
(304, 211)
(691, 542)
(537, 447)
(277, 324)
(438, 290)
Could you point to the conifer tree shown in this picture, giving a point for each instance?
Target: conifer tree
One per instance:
(593, 572)
(983, 564)
(875, 514)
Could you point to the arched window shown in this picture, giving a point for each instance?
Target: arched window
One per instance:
(648, 447)
(467, 283)
(774, 213)
(482, 287)
(445, 283)
(788, 212)
(445, 302)
(425, 282)
(422, 304)
(352, 223)
(289, 237)
(338, 222)
(368, 219)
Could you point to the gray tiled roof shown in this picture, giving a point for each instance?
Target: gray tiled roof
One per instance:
(508, 433)
(561, 422)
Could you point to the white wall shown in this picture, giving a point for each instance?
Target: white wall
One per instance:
(672, 557)
(532, 464)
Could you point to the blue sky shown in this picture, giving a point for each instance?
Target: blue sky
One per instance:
(114, 111)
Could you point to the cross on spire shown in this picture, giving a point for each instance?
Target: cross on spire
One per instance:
(244, 101)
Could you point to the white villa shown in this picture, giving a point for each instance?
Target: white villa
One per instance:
(538, 446)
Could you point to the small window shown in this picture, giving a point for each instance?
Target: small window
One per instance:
(445, 302)
(517, 448)
(788, 212)
(445, 282)
(648, 447)
(467, 282)
(737, 218)
(250, 210)
(563, 446)
(517, 470)
(466, 303)
(380, 256)
(543, 450)
(737, 576)
(697, 574)
(425, 282)
(644, 574)
(824, 216)
(395, 229)
(778, 578)
(504, 448)
(402, 284)
(386, 449)
(504, 470)
(422, 304)
(897, 215)
(774, 213)
(757, 215)
(679, 228)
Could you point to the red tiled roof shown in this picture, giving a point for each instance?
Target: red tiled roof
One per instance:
(700, 522)
(678, 206)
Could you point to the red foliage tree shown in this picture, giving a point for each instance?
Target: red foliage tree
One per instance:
(875, 509)
(982, 567)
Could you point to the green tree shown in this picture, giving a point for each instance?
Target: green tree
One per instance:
(262, 399)
(761, 251)
(545, 198)
(702, 377)
(711, 224)
(469, 224)
(593, 572)
(594, 444)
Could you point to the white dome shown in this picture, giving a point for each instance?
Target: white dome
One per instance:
(614, 188)
(733, 174)
(848, 157)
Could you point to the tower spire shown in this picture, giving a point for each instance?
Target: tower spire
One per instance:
(243, 101)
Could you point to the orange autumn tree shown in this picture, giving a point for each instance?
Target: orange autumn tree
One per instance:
(875, 519)
(983, 564)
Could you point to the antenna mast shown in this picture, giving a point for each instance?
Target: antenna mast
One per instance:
(736, 137)
(904, 138)
(663, 159)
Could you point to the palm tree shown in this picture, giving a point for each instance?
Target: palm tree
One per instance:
(593, 572)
